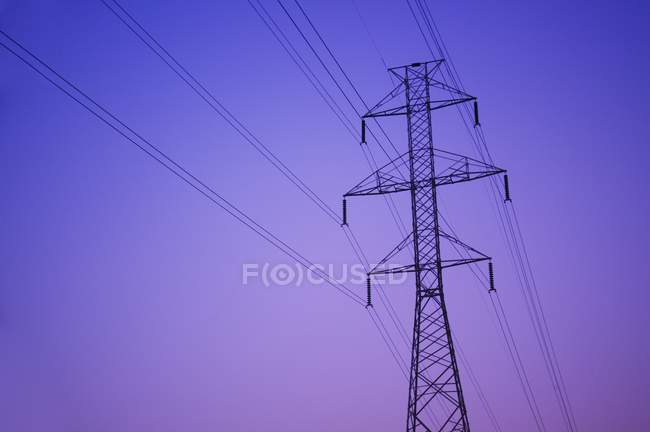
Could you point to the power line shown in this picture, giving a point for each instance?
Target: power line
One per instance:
(527, 388)
(369, 157)
(334, 80)
(552, 363)
(372, 40)
(304, 67)
(351, 237)
(73, 92)
(374, 164)
(479, 390)
(300, 62)
(509, 343)
(531, 294)
(209, 98)
(338, 65)
(518, 365)
(189, 79)
(166, 52)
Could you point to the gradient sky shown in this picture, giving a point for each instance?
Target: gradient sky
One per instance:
(121, 302)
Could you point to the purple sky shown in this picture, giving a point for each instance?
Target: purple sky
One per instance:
(121, 301)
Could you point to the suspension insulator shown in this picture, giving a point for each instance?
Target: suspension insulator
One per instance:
(369, 293)
(491, 272)
(476, 122)
(345, 212)
(363, 131)
(506, 185)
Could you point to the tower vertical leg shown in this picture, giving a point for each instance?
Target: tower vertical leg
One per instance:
(434, 373)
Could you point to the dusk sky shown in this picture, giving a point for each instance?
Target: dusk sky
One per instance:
(122, 304)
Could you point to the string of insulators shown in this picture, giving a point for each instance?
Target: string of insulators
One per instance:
(476, 122)
(363, 131)
(491, 272)
(369, 293)
(506, 185)
(345, 212)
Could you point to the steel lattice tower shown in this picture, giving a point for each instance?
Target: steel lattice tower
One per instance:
(434, 374)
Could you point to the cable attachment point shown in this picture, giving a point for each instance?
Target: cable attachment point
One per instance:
(363, 131)
(506, 185)
(476, 122)
(369, 293)
(491, 272)
(345, 213)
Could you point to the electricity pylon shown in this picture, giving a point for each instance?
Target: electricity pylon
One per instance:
(434, 372)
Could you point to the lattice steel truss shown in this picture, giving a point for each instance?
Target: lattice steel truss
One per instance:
(434, 374)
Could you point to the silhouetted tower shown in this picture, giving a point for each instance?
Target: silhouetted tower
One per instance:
(434, 375)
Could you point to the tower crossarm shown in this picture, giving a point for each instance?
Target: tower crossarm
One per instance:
(432, 105)
(449, 95)
(454, 168)
(469, 256)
